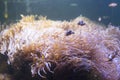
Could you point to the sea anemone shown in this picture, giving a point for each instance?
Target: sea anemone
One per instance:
(90, 52)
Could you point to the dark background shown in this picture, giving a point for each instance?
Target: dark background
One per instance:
(61, 10)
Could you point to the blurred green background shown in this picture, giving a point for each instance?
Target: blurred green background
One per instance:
(10, 10)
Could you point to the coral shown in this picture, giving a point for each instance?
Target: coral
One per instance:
(90, 52)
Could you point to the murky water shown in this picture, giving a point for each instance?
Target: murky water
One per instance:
(61, 9)
(97, 10)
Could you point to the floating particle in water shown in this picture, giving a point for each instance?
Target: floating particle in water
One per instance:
(73, 4)
(113, 4)
(99, 19)
(103, 18)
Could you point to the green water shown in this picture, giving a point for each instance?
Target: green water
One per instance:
(61, 9)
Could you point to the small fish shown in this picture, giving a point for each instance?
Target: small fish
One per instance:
(113, 4)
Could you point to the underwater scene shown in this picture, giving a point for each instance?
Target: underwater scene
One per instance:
(59, 39)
